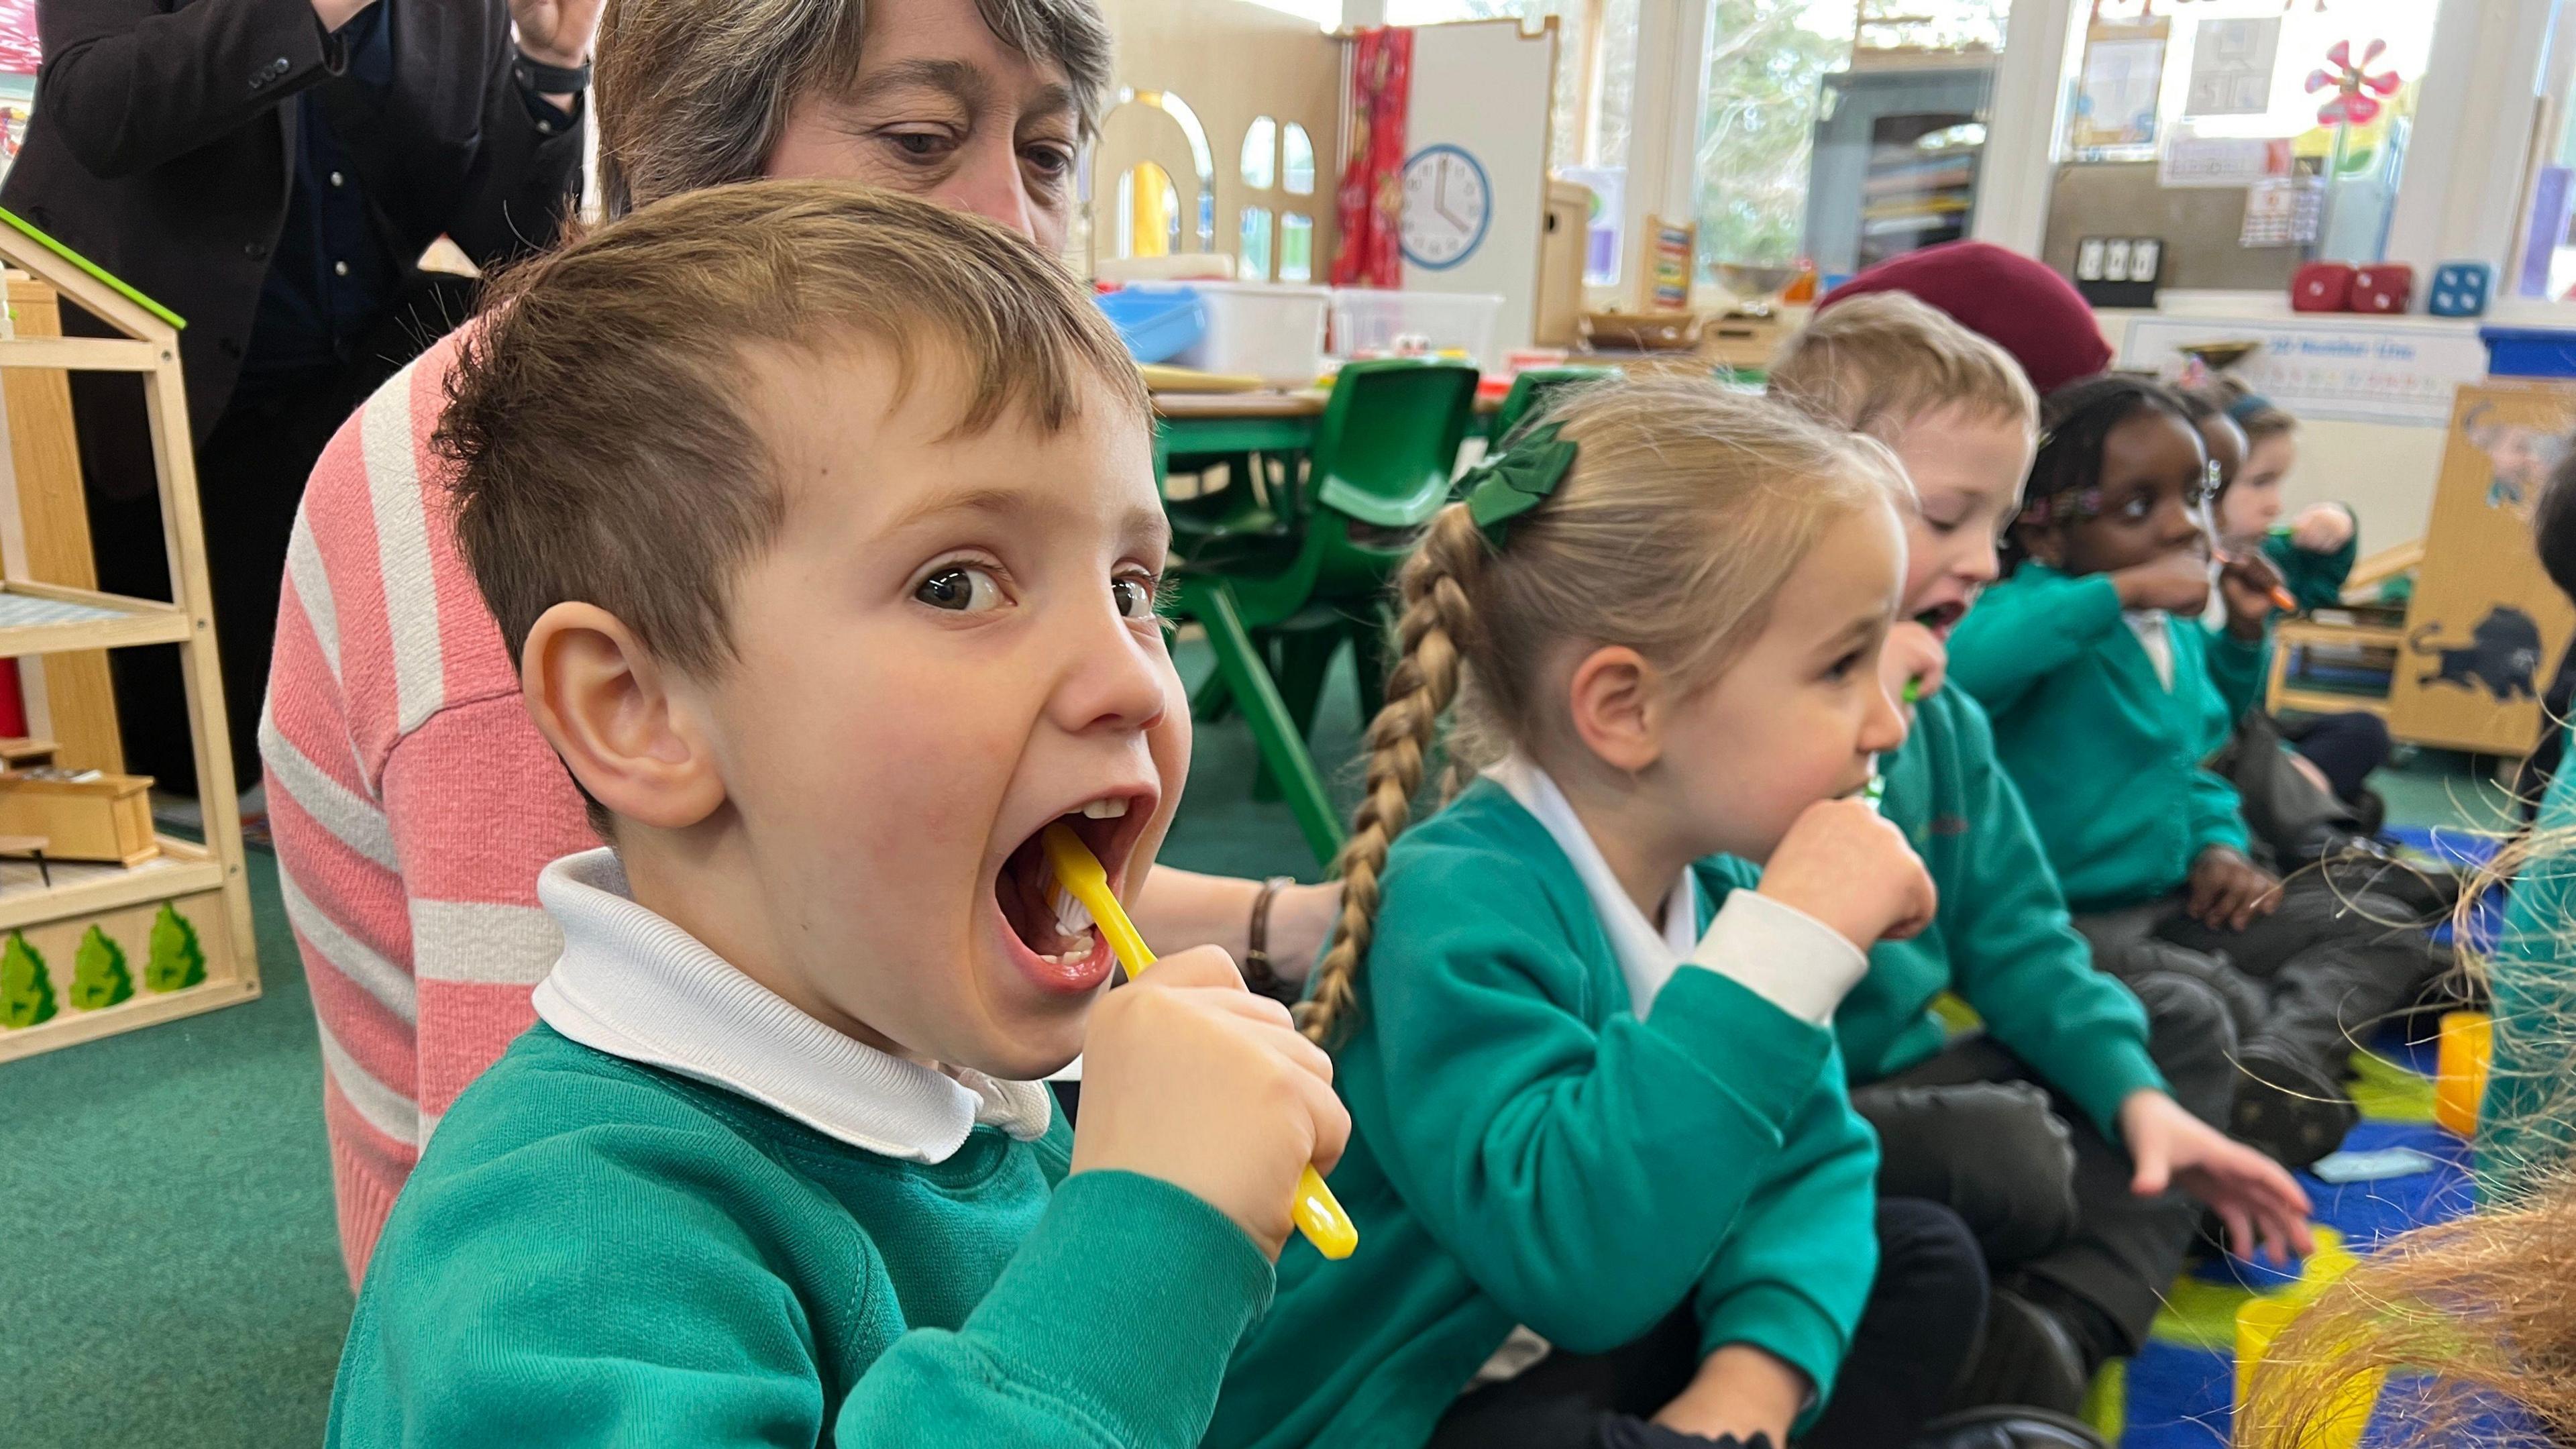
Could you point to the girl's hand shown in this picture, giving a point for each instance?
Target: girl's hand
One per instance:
(1845, 865)
(2177, 583)
(1913, 655)
(2246, 584)
(2321, 528)
(1739, 1390)
(2256, 1197)
(2227, 891)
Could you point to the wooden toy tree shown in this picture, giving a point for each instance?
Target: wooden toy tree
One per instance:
(184, 910)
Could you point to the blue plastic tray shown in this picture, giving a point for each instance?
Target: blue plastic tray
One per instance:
(1157, 325)
(2529, 351)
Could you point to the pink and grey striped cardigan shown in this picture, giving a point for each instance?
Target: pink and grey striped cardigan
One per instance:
(412, 799)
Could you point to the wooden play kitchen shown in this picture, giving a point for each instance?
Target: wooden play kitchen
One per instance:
(105, 926)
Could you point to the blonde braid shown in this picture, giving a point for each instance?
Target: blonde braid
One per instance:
(1436, 624)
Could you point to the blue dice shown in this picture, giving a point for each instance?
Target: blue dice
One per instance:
(2459, 289)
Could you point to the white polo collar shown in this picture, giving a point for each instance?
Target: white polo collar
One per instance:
(635, 986)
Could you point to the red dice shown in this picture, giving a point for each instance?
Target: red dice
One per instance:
(2322, 287)
(2382, 287)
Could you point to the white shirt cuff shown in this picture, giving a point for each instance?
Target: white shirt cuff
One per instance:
(1781, 954)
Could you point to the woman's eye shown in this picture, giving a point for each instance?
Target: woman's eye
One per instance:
(923, 145)
(1052, 162)
(1135, 597)
(960, 590)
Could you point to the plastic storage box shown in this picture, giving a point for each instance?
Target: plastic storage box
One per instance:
(1369, 322)
(2529, 351)
(1156, 325)
(1257, 329)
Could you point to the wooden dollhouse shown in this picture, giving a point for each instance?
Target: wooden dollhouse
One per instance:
(106, 926)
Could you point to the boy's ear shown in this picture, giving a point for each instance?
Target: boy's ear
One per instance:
(607, 706)
(1618, 707)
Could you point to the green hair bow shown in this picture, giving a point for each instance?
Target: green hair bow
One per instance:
(1516, 480)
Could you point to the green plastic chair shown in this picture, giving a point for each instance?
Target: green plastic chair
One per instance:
(1384, 453)
(1538, 389)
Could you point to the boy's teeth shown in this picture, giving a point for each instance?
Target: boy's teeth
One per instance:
(1110, 809)
(1071, 916)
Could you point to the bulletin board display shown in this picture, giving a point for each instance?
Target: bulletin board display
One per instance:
(2485, 625)
(2376, 371)
(1476, 143)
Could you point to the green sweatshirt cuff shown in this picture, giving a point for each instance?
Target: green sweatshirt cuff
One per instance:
(1787, 1326)
(1127, 1300)
(2227, 830)
(2122, 1069)
(1761, 1054)
(2087, 607)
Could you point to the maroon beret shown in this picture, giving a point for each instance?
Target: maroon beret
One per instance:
(2020, 304)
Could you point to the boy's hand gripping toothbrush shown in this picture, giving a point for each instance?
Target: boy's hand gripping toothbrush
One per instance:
(1086, 886)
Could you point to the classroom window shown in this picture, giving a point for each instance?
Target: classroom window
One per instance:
(2547, 250)
(1297, 160)
(2246, 135)
(1149, 212)
(1596, 86)
(1255, 236)
(1842, 131)
(1261, 153)
(1296, 247)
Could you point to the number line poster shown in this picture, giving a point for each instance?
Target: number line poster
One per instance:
(2360, 372)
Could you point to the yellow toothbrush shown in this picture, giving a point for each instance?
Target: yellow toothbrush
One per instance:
(1317, 1214)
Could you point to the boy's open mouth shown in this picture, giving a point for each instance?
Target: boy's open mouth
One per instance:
(1054, 929)
(1940, 617)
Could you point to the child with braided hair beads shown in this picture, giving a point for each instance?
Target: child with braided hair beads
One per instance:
(1602, 1146)
(2057, 1127)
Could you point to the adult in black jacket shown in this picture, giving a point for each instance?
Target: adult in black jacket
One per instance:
(272, 170)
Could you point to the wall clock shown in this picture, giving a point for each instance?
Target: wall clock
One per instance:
(1448, 204)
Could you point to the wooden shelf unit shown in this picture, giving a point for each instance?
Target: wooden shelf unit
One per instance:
(107, 948)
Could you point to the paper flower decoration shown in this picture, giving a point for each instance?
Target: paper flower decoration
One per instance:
(2355, 101)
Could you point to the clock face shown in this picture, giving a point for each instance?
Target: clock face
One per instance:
(1447, 206)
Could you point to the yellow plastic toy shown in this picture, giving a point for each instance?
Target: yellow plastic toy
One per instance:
(1317, 1213)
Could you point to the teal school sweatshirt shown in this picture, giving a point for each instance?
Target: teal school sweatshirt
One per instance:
(2523, 1130)
(2106, 757)
(2314, 579)
(595, 1252)
(1527, 1151)
(2001, 939)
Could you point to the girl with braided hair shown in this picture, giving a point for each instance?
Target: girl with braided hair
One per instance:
(1602, 1145)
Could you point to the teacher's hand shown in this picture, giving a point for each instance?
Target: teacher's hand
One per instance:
(552, 32)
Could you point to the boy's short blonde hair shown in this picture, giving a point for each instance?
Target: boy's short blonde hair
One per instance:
(606, 449)
(1877, 363)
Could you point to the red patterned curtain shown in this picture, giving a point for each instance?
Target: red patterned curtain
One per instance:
(18, 36)
(1371, 200)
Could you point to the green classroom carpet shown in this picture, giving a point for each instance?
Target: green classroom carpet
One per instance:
(169, 1273)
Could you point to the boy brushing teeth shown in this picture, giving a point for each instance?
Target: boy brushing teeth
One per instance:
(823, 526)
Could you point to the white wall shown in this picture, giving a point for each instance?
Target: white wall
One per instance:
(1484, 87)
(2386, 472)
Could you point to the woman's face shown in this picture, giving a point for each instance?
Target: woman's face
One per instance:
(943, 110)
